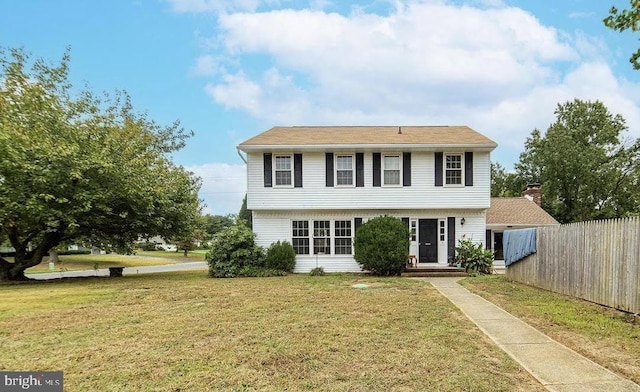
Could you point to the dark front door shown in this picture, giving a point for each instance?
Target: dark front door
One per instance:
(428, 240)
(497, 246)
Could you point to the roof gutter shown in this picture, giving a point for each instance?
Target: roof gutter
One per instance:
(415, 147)
(241, 156)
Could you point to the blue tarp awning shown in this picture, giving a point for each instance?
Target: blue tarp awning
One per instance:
(518, 244)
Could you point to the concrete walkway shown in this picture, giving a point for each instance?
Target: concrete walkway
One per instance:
(557, 367)
(187, 266)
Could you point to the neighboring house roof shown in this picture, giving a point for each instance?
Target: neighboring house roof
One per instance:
(517, 211)
(368, 136)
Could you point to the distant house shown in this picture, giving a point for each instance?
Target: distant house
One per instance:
(514, 213)
(314, 186)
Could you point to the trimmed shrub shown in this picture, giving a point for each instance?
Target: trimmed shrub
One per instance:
(474, 258)
(382, 245)
(281, 256)
(233, 251)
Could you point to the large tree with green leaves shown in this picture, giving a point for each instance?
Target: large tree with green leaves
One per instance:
(587, 168)
(75, 167)
(626, 19)
(504, 183)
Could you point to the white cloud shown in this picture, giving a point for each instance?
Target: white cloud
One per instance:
(223, 186)
(495, 68)
(207, 65)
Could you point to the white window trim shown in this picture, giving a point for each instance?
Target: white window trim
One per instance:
(444, 170)
(312, 234)
(309, 236)
(391, 154)
(333, 235)
(273, 165)
(353, 170)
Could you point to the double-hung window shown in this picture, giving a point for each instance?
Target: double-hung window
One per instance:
(300, 236)
(343, 237)
(283, 170)
(453, 169)
(391, 169)
(344, 170)
(322, 237)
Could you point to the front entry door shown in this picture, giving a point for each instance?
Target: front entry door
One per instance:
(428, 240)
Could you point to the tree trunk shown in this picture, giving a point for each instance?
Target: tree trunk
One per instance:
(11, 271)
(53, 256)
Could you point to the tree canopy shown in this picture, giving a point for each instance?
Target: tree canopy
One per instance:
(75, 167)
(587, 168)
(621, 20)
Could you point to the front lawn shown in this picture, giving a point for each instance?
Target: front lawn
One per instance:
(187, 332)
(605, 335)
(90, 262)
(193, 255)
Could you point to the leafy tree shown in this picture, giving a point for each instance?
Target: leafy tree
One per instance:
(216, 223)
(505, 184)
(78, 168)
(245, 214)
(586, 168)
(621, 20)
(381, 245)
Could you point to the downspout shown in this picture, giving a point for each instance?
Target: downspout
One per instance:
(241, 156)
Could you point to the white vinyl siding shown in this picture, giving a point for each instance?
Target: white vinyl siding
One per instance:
(275, 226)
(422, 194)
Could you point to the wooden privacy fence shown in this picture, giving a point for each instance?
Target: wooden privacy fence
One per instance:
(598, 261)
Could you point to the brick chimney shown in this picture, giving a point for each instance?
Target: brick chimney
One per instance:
(533, 193)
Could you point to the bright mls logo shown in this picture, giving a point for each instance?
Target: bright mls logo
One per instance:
(31, 381)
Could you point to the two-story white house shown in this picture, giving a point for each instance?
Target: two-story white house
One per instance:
(314, 186)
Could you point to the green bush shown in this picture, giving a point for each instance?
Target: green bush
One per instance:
(474, 258)
(234, 253)
(382, 245)
(318, 271)
(281, 256)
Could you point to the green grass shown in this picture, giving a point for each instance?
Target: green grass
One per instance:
(605, 335)
(187, 332)
(194, 255)
(90, 262)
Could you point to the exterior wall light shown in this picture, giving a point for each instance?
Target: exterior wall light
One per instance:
(462, 222)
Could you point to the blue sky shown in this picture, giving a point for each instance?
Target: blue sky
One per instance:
(231, 69)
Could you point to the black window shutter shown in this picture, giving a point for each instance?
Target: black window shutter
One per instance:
(406, 169)
(438, 167)
(468, 168)
(359, 169)
(406, 221)
(376, 168)
(357, 222)
(487, 240)
(297, 170)
(451, 238)
(267, 170)
(329, 168)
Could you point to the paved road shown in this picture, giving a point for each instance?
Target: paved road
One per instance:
(187, 266)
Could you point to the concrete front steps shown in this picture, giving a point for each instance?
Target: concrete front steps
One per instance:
(434, 271)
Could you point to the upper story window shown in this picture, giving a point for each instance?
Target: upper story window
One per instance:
(283, 169)
(453, 169)
(391, 170)
(344, 170)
